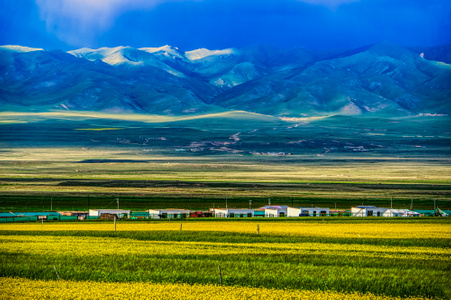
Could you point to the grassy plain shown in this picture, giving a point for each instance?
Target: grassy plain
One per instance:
(76, 161)
(81, 178)
(387, 258)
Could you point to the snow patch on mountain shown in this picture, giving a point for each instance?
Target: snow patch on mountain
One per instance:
(97, 54)
(165, 50)
(16, 48)
(128, 56)
(203, 52)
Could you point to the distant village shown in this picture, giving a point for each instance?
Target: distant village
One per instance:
(269, 211)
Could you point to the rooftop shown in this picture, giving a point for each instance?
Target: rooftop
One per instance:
(274, 207)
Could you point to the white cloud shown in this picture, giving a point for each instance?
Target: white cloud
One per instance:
(79, 22)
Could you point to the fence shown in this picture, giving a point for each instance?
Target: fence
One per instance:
(36, 218)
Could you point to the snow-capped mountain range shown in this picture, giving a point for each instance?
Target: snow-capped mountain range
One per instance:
(381, 78)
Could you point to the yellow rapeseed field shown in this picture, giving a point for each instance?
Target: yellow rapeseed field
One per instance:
(318, 229)
(94, 246)
(20, 288)
(146, 260)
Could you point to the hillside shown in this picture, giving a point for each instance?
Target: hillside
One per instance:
(378, 79)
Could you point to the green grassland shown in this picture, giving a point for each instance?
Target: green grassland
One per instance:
(79, 160)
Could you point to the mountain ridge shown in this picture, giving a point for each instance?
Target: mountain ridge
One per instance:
(382, 78)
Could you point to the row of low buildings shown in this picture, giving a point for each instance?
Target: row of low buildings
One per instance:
(270, 211)
(373, 211)
(266, 211)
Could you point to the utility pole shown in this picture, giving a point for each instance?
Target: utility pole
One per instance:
(335, 205)
(269, 201)
(117, 199)
(51, 204)
(250, 204)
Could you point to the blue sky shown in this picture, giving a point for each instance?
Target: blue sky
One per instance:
(218, 24)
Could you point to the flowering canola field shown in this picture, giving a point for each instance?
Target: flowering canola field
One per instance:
(318, 229)
(175, 260)
(15, 288)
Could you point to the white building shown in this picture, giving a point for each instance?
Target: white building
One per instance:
(274, 211)
(307, 211)
(391, 212)
(367, 211)
(293, 211)
(120, 213)
(314, 212)
(233, 212)
(373, 211)
(171, 213)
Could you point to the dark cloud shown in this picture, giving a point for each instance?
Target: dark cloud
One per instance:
(224, 23)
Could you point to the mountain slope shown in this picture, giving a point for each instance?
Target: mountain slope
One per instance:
(377, 79)
(384, 79)
(43, 80)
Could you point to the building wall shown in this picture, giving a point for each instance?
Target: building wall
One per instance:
(395, 212)
(233, 212)
(367, 212)
(275, 212)
(240, 213)
(93, 213)
(293, 212)
(154, 214)
(220, 213)
(271, 213)
(169, 213)
(98, 212)
(315, 211)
